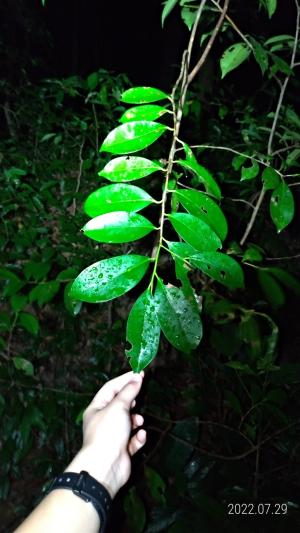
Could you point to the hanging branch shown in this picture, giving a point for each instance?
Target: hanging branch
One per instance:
(184, 80)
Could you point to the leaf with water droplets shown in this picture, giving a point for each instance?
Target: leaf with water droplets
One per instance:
(128, 168)
(178, 318)
(197, 203)
(142, 95)
(116, 197)
(143, 112)
(195, 232)
(109, 278)
(220, 267)
(132, 137)
(143, 332)
(118, 227)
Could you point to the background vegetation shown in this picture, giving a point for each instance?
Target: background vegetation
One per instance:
(222, 421)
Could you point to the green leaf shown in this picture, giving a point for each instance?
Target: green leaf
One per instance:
(143, 95)
(248, 173)
(135, 511)
(44, 292)
(109, 278)
(195, 232)
(182, 249)
(36, 271)
(23, 364)
(286, 279)
(220, 267)
(168, 7)
(260, 55)
(143, 112)
(271, 289)
(129, 168)
(12, 283)
(200, 205)
(118, 227)
(18, 302)
(282, 206)
(270, 179)
(117, 197)
(279, 38)
(252, 254)
(132, 137)
(233, 57)
(156, 485)
(73, 306)
(178, 318)
(271, 6)
(29, 322)
(203, 175)
(188, 16)
(67, 274)
(143, 332)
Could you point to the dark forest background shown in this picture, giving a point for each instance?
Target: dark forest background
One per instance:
(63, 68)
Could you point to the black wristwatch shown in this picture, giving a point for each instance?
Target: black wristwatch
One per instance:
(88, 489)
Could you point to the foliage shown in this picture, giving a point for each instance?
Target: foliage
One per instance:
(222, 417)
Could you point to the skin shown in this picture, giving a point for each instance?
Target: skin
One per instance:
(105, 454)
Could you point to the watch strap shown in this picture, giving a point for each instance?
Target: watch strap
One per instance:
(88, 489)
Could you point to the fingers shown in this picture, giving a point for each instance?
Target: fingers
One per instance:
(137, 420)
(137, 442)
(107, 393)
(128, 394)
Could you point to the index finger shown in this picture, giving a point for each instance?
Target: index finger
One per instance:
(110, 389)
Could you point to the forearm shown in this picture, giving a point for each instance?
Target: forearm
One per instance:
(62, 511)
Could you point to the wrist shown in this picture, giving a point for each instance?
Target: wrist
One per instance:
(103, 473)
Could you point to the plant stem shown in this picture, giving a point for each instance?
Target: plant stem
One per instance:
(184, 78)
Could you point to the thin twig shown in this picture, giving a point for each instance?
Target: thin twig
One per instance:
(210, 43)
(79, 175)
(286, 258)
(234, 26)
(273, 128)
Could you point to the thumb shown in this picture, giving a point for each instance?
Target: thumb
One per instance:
(128, 393)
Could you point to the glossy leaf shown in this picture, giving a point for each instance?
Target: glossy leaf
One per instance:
(143, 95)
(116, 197)
(270, 178)
(118, 227)
(220, 267)
(248, 173)
(129, 168)
(168, 7)
(109, 278)
(178, 319)
(282, 206)
(143, 112)
(29, 322)
(195, 232)
(271, 289)
(233, 57)
(203, 175)
(44, 292)
(143, 332)
(132, 137)
(200, 205)
(23, 364)
(182, 249)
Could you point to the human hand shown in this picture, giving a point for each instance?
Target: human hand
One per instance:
(107, 425)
